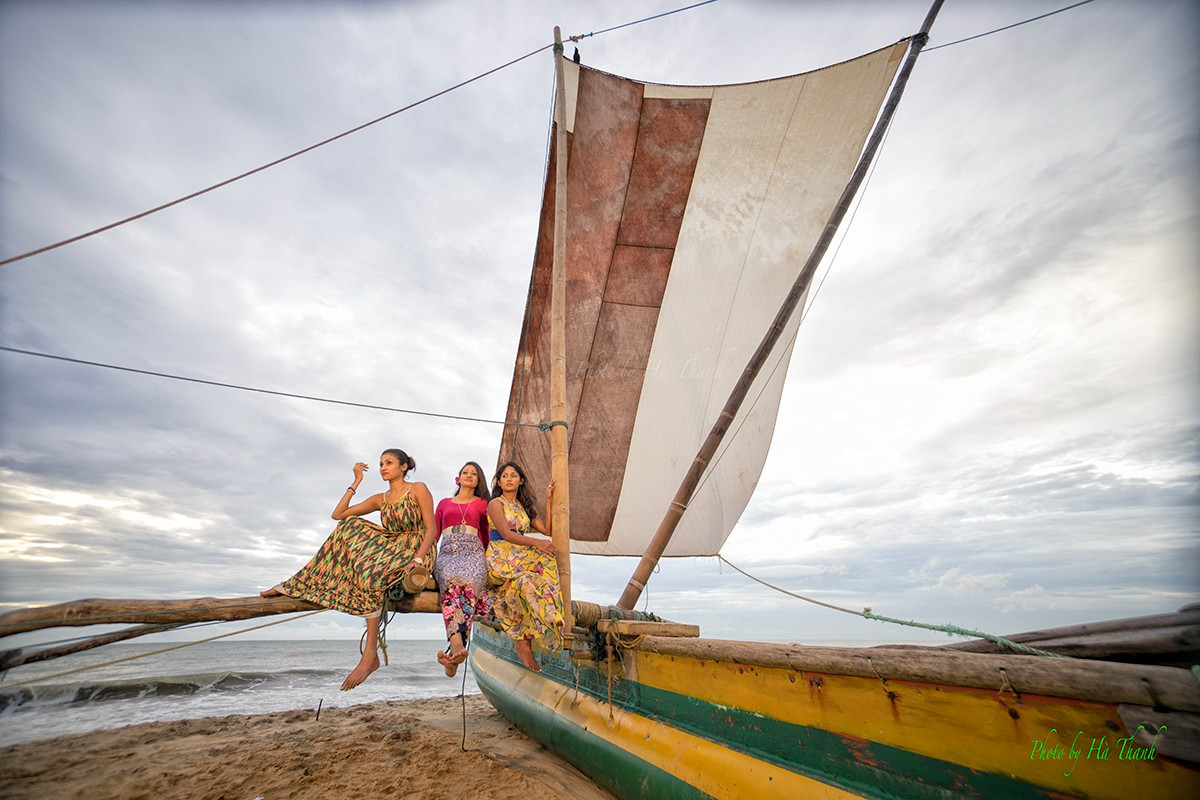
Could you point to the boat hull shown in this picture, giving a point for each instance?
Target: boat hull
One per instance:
(665, 725)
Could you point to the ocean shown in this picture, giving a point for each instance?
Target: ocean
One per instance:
(208, 680)
(214, 679)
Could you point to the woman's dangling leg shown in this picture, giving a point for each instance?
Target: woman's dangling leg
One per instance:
(370, 656)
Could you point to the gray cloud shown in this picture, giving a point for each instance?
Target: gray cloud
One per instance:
(1057, 482)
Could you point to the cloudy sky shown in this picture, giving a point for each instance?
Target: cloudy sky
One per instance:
(991, 417)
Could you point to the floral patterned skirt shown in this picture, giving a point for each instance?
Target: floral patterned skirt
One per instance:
(354, 567)
(462, 580)
(527, 600)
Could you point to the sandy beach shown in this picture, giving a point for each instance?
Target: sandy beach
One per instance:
(406, 749)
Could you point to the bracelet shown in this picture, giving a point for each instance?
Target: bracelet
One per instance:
(350, 489)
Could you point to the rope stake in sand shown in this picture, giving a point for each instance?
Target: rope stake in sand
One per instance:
(174, 647)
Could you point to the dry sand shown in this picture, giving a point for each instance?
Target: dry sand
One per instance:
(395, 750)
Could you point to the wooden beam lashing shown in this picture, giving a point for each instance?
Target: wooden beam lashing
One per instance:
(629, 627)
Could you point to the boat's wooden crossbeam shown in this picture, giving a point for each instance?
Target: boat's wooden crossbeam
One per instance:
(96, 611)
(630, 627)
(1101, 681)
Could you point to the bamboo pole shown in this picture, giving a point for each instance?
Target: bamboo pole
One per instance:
(560, 517)
(679, 504)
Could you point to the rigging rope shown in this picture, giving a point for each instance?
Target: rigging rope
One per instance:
(866, 613)
(542, 426)
(1007, 27)
(331, 139)
(169, 649)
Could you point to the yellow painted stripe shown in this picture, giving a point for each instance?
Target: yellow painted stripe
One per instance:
(710, 768)
(989, 731)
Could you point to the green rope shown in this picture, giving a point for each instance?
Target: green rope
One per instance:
(953, 630)
(545, 426)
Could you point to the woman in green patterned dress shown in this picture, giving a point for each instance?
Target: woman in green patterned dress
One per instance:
(360, 560)
(520, 561)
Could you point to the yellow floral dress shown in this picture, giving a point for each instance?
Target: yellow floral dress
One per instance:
(355, 566)
(527, 600)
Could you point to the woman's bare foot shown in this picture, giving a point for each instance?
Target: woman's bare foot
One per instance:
(368, 664)
(272, 592)
(450, 662)
(525, 653)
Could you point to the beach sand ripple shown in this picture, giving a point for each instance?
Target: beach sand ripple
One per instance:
(403, 750)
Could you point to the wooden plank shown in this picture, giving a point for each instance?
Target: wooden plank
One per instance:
(630, 627)
(1178, 733)
(1099, 681)
(1183, 618)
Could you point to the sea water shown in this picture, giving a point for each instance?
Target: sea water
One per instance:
(207, 680)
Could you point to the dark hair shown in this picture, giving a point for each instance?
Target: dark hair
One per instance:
(481, 490)
(524, 496)
(404, 458)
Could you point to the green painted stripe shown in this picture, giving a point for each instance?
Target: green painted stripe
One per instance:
(855, 765)
(612, 767)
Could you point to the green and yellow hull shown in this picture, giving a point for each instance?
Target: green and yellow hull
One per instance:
(669, 720)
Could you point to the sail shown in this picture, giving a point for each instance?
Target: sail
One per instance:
(690, 212)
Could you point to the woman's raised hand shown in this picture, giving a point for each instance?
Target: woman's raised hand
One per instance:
(359, 469)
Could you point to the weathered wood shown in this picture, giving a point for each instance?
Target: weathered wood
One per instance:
(631, 627)
(560, 512)
(1178, 733)
(98, 611)
(1184, 623)
(1101, 681)
(22, 655)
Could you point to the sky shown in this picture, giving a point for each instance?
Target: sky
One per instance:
(991, 413)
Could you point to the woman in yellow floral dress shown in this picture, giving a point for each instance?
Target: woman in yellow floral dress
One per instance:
(520, 561)
(360, 560)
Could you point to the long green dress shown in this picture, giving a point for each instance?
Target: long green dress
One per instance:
(359, 561)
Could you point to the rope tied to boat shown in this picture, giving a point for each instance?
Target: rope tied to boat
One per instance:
(866, 613)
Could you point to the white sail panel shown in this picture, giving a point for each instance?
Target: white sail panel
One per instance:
(774, 160)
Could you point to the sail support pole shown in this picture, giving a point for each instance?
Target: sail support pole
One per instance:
(560, 518)
(662, 536)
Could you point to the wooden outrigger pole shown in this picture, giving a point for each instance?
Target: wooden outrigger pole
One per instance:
(666, 528)
(560, 516)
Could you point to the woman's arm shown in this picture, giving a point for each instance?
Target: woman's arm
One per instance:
(540, 525)
(425, 501)
(496, 513)
(343, 509)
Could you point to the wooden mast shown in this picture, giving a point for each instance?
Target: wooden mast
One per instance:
(560, 513)
(687, 487)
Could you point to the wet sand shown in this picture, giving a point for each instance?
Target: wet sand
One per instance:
(397, 750)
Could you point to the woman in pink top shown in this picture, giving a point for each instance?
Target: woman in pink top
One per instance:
(461, 573)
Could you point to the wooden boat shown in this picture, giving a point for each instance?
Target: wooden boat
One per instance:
(649, 214)
(675, 220)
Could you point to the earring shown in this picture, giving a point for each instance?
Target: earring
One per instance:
(457, 482)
